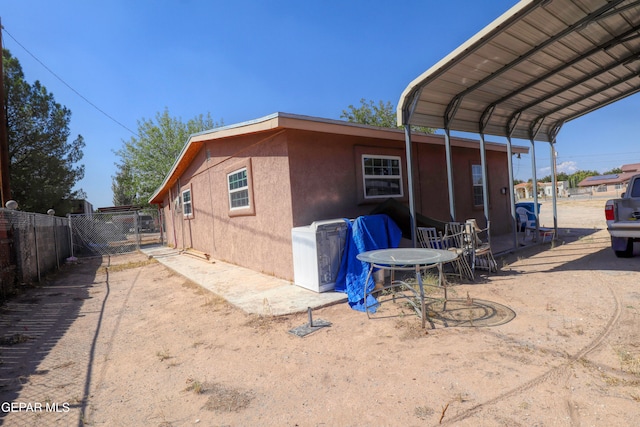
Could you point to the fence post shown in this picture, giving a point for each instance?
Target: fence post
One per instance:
(35, 238)
(55, 240)
(136, 229)
(70, 233)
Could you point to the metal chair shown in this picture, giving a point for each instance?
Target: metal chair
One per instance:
(481, 254)
(429, 237)
(456, 238)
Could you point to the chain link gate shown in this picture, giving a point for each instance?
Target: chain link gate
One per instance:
(113, 233)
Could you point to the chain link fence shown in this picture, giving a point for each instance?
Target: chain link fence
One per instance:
(112, 233)
(30, 245)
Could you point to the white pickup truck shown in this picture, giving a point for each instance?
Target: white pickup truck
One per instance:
(623, 219)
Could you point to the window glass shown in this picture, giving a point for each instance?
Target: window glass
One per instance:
(476, 176)
(186, 203)
(238, 189)
(382, 176)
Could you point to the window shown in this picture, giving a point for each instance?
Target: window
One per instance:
(382, 176)
(238, 189)
(476, 176)
(187, 208)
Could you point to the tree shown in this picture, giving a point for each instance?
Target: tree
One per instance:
(43, 164)
(381, 115)
(122, 187)
(560, 176)
(146, 159)
(577, 176)
(613, 171)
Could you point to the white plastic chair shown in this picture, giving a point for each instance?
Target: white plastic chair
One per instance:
(525, 224)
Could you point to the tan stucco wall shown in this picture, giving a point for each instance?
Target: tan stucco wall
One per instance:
(325, 175)
(260, 241)
(326, 179)
(432, 194)
(300, 176)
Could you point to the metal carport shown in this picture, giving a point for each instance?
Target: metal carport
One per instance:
(535, 68)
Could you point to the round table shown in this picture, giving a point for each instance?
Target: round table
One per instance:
(416, 259)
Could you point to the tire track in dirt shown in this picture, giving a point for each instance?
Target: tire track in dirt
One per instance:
(553, 372)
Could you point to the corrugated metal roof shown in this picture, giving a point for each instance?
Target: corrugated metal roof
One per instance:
(539, 65)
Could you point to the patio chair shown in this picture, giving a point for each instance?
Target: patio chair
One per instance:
(481, 254)
(429, 237)
(456, 238)
(525, 224)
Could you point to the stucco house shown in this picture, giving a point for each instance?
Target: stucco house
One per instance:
(524, 190)
(236, 192)
(610, 185)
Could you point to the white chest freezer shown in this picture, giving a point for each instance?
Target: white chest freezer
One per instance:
(317, 252)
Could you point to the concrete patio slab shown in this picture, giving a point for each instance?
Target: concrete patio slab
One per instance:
(249, 290)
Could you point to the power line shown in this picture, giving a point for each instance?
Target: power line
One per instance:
(69, 86)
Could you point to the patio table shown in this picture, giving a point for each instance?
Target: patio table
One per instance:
(406, 259)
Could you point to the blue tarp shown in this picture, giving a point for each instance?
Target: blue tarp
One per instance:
(367, 233)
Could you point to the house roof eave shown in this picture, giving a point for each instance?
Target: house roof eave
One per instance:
(281, 120)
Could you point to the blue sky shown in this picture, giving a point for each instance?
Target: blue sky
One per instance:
(240, 60)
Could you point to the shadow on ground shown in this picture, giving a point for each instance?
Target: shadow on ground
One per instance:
(32, 323)
(575, 249)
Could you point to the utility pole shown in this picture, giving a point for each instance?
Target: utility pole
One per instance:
(5, 188)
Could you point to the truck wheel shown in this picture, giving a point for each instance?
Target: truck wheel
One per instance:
(628, 252)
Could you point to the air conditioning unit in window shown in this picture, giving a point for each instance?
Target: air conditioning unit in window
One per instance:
(317, 253)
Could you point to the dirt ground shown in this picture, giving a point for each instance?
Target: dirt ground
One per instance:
(553, 339)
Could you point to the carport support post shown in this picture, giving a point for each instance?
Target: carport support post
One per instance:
(512, 197)
(447, 151)
(485, 188)
(412, 203)
(554, 184)
(534, 178)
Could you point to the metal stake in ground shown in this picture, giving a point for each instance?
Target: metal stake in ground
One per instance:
(304, 330)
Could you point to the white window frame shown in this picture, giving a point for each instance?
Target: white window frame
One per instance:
(244, 188)
(370, 177)
(187, 205)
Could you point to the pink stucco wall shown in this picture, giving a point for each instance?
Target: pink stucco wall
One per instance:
(300, 176)
(432, 197)
(261, 241)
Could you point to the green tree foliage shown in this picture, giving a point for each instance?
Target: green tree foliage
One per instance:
(123, 187)
(381, 114)
(146, 159)
(43, 162)
(612, 171)
(561, 176)
(576, 177)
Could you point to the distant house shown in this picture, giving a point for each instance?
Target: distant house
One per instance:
(79, 206)
(236, 192)
(524, 190)
(612, 184)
